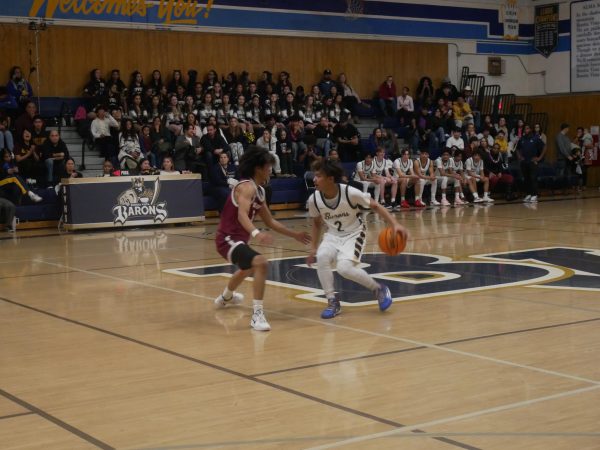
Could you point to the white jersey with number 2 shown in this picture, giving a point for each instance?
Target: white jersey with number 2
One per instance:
(343, 215)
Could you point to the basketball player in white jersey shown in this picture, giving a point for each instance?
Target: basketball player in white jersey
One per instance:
(382, 170)
(424, 169)
(443, 166)
(403, 170)
(365, 174)
(457, 173)
(340, 208)
(476, 175)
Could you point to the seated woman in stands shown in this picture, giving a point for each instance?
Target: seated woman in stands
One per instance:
(254, 114)
(137, 85)
(145, 168)
(311, 113)
(156, 82)
(379, 138)
(223, 178)
(28, 158)
(191, 119)
(11, 184)
(69, 170)
(130, 152)
(225, 111)
(206, 109)
(168, 167)
(175, 118)
(189, 106)
(239, 111)
(236, 138)
(138, 113)
(161, 140)
(289, 109)
(317, 95)
(351, 97)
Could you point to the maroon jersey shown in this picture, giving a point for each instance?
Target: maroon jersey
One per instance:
(230, 232)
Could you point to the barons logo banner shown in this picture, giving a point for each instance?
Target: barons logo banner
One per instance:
(140, 202)
(413, 275)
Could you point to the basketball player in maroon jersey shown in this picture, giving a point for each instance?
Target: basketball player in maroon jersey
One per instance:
(247, 199)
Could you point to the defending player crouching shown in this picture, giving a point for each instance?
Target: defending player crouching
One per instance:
(341, 207)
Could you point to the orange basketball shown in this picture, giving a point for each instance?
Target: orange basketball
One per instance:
(391, 243)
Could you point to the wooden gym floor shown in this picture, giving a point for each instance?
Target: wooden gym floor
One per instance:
(100, 347)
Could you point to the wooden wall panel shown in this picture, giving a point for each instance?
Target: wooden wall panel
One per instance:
(574, 109)
(67, 55)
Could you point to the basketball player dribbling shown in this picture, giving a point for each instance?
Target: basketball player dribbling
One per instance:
(235, 229)
(340, 208)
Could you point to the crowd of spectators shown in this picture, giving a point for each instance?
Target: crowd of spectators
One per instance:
(188, 124)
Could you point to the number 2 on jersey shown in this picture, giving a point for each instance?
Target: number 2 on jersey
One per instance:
(339, 226)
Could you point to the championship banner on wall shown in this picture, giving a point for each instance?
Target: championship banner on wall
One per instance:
(131, 201)
(510, 18)
(546, 29)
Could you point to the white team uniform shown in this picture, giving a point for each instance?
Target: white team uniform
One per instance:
(402, 168)
(446, 165)
(472, 166)
(379, 167)
(369, 171)
(423, 183)
(345, 236)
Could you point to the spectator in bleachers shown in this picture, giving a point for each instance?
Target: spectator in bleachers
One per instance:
(54, 154)
(198, 94)
(425, 94)
(269, 142)
(530, 150)
(69, 170)
(311, 114)
(217, 95)
(455, 140)
(484, 146)
(6, 137)
(351, 97)
(175, 118)
(517, 132)
(462, 113)
(18, 88)
(296, 137)
(101, 132)
(488, 125)
(325, 84)
(213, 143)
(191, 118)
(447, 90)
(137, 112)
(28, 158)
(190, 154)
(469, 132)
(239, 112)
(155, 82)
(328, 111)
(38, 131)
(156, 108)
(387, 97)
(380, 138)
(284, 81)
(206, 109)
(95, 90)
(310, 153)
(347, 138)
(563, 152)
(176, 81)
(25, 120)
(146, 144)
(115, 79)
(497, 171)
(414, 135)
(223, 177)
(317, 95)
(161, 140)
(485, 135)
(168, 168)
(225, 112)
(130, 153)
(235, 137)
(254, 114)
(113, 98)
(12, 185)
(501, 125)
(405, 106)
(253, 90)
(435, 135)
(145, 167)
(289, 109)
(210, 80)
(108, 170)
(137, 86)
(502, 143)
(338, 109)
(537, 130)
(266, 79)
(323, 133)
(471, 147)
(285, 152)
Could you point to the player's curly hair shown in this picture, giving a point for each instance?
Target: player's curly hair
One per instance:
(329, 169)
(252, 158)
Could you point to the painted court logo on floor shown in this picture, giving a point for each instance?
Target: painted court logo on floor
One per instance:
(414, 275)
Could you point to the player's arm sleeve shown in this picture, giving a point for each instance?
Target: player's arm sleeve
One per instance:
(312, 208)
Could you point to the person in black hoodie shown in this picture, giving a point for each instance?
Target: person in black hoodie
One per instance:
(95, 90)
(223, 177)
(54, 154)
(156, 82)
(176, 80)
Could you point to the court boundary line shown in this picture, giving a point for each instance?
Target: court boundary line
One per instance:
(343, 327)
(10, 416)
(482, 412)
(456, 341)
(56, 421)
(220, 368)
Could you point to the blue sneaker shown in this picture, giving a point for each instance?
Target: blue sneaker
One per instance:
(384, 297)
(332, 310)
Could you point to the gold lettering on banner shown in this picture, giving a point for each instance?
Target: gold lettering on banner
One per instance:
(170, 12)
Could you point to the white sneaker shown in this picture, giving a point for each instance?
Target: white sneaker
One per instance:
(34, 197)
(259, 321)
(236, 299)
(533, 199)
(488, 199)
(445, 202)
(527, 199)
(434, 202)
(478, 200)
